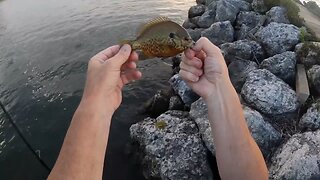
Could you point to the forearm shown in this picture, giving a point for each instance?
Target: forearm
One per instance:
(237, 153)
(83, 151)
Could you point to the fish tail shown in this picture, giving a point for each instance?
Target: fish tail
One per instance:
(134, 44)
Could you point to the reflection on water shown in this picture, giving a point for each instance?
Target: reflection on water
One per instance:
(44, 50)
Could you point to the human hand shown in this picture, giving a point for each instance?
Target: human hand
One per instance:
(108, 72)
(203, 68)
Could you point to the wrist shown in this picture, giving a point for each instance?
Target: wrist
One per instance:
(220, 88)
(96, 104)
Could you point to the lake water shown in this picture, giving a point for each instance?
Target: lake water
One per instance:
(44, 50)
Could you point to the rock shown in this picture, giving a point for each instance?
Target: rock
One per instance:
(195, 20)
(298, 158)
(238, 71)
(159, 103)
(278, 37)
(308, 53)
(250, 19)
(242, 50)
(243, 32)
(176, 103)
(263, 133)
(269, 94)
(219, 33)
(197, 10)
(282, 65)
(302, 85)
(195, 33)
(172, 147)
(311, 119)
(314, 77)
(183, 90)
(277, 14)
(259, 6)
(201, 2)
(176, 64)
(226, 11)
(188, 25)
(241, 5)
(208, 18)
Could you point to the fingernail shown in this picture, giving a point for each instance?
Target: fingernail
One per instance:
(195, 79)
(126, 48)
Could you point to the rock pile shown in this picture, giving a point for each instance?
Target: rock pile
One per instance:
(262, 50)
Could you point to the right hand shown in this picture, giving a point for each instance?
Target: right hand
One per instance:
(203, 68)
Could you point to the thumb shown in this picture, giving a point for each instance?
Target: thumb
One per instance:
(122, 56)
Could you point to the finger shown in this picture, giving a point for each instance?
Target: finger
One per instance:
(130, 76)
(188, 76)
(111, 51)
(205, 45)
(134, 56)
(128, 65)
(122, 56)
(196, 62)
(201, 55)
(189, 53)
(191, 69)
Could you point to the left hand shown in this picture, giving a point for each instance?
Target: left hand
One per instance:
(108, 72)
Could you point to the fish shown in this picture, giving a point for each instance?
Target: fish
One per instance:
(162, 38)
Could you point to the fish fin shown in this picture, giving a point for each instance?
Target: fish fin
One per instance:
(152, 22)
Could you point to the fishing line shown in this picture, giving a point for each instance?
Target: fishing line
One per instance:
(23, 138)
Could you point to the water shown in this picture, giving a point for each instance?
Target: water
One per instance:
(44, 50)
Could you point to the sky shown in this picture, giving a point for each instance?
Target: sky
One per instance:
(317, 1)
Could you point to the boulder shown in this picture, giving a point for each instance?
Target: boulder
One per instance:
(242, 5)
(277, 14)
(196, 10)
(308, 53)
(311, 119)
(238, 71)
(195, 33)
(282, 65)
(263, 133)
(208, 18)
(201, 2)
(242, 50)
(250, 19)
(176, 103)
(278, 37)
(269, 94)
(219, 32)
(195, 20)
(183, 90)
(189, 25)
(259, 6)
(243, 32)
(176, 60)
(314, 77)
(298, 158)
(226, 11)
(171, 147)
(158, 104)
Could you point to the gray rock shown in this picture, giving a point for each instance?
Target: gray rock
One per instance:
(277, 14)
(269, 94)
(242, 32)
(311, 119)
(195, 33)
(298, 158)
(308, 53)
(259, 6)
(183, 90)
(176, 103)
(196, 10)
(263, 133)
(250, 19)
(314, 77)
(242, 50)
(208, 18)
(241, 5)
(238, 71)
(278, 37)
(226, 11)
(172, 147)
(219, 33)
(195, 20)
(189, 25)
(158, 104)
(282, 65)
(201, 2)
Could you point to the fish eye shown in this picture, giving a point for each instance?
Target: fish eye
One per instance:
(171, 35)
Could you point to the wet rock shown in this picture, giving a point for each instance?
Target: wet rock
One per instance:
(196, 10)
(158, 104)
(278, 37)
(263, 133)
(219, 33)
(259, 6)
(208, 18)
(242, 50)
(311, 119)
(308, 53)
(269, 94)
(277, 14)
(183, 90)
(172, 147)
(189, 25)
(314, 77)
(176, 103)
(298, 158)
(195, 33)
(250, 19)
(282, 65)
(238, 71)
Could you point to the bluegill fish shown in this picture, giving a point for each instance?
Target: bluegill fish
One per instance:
(161, 37)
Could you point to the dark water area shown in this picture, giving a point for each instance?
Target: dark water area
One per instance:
(44, 50)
